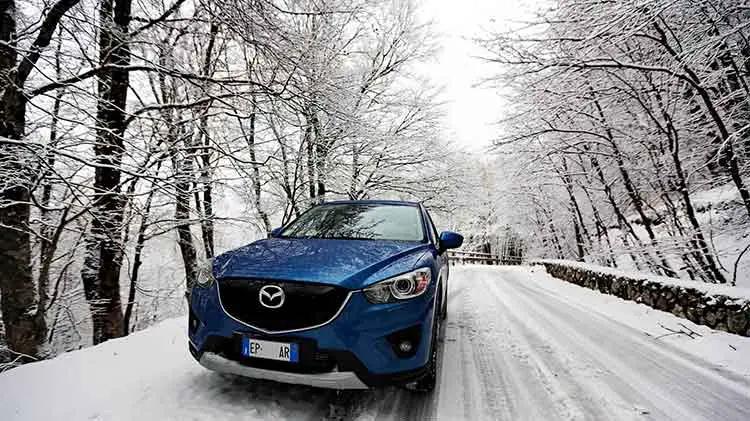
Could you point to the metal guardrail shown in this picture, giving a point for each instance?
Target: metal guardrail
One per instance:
(483, 258)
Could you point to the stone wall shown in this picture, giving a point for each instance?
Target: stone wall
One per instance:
(717, 311)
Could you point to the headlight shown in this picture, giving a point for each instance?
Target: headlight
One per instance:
(401, 287)
(205, 275)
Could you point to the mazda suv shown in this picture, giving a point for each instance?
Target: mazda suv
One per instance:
(350, 295)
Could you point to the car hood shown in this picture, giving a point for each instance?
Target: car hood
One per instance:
(347, 263)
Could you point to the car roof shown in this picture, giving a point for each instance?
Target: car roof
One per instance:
(371, 202)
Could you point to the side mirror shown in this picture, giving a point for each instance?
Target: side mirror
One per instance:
(450, 240)
(275, 232)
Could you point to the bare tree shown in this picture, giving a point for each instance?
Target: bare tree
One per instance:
(25, 330)
(626, 91)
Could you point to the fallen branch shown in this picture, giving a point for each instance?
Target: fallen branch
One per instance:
(687, 332)
(692, 332)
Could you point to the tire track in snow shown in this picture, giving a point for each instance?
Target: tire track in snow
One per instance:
(491, 370)
(458, 363)
(492, 381)
(673, 387)
(618, 383)
(537, 391)
(673, 364)
(553, 396)
(576, 384)
(663, 348)
(494, 347)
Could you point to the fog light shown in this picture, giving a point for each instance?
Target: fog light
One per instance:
(405, 341)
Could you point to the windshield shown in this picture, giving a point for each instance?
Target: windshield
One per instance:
(359, 221)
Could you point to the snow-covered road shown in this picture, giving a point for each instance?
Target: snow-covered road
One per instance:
(525, 350)
(519, 345)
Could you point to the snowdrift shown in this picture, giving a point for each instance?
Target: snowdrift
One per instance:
(148, 375)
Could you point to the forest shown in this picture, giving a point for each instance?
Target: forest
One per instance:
(626, 136)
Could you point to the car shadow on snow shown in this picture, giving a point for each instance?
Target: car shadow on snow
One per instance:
(272, 400)
(266, 399)
(391, 403)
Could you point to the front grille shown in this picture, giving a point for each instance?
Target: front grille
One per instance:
(305, 304)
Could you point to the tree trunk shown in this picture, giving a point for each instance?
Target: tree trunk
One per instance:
(321, 156)
(207, 221)
(581, 251)
(207, 201)
(735, 87)
(354, 182)
(285, 183)
(579, 227)
(309, 141)
(601, 227)
(257, 190)
(104, 250)
(183, 165)
(137, 258)
(25, 333)
(555, 237)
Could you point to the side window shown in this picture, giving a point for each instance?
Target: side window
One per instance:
(433, 231)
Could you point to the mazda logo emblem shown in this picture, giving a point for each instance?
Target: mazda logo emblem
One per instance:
(271, 296)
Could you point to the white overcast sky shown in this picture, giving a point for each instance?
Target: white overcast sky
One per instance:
(471, 111)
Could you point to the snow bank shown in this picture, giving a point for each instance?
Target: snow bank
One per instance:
(717, 306)
(711, 289)
(146, 376)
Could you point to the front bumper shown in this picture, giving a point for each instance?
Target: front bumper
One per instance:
(352, 351)
(331, 380)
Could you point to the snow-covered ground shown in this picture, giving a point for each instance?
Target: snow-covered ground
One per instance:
(519, 344)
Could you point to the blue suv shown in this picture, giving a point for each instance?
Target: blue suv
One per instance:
(350, 295)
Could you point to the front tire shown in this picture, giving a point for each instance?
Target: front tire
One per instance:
(428, 382)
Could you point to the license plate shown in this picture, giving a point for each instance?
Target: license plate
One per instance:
(279, 351)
